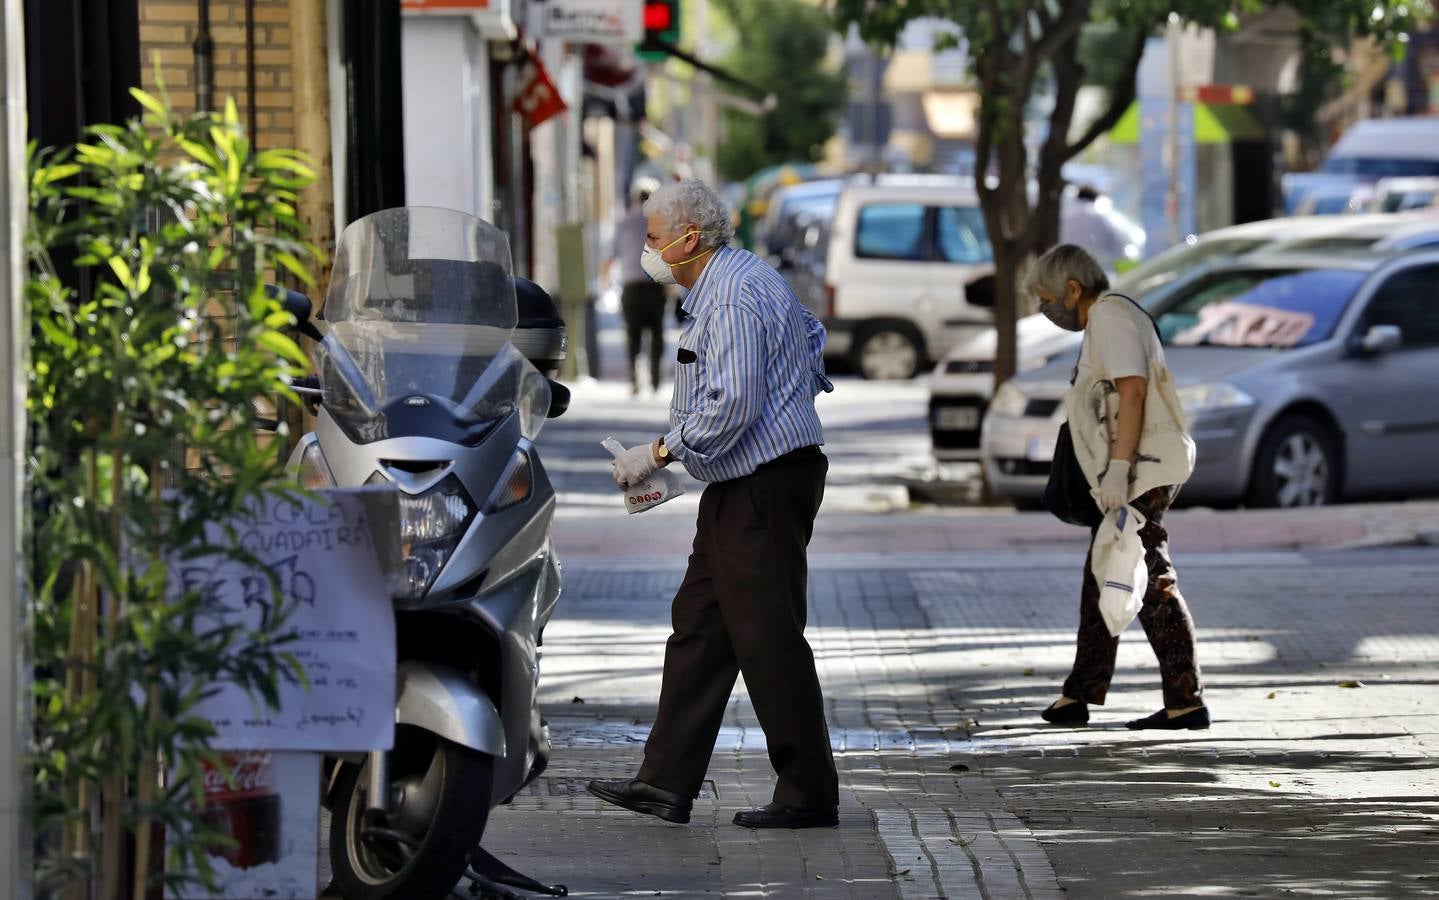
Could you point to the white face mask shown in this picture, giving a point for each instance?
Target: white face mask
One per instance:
(653, 261)
(655, 266)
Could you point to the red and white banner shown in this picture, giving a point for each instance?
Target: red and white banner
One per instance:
(538, 99)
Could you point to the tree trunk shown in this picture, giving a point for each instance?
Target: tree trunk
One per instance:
(1006, 311)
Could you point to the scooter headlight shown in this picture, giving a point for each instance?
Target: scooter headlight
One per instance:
(431, 525)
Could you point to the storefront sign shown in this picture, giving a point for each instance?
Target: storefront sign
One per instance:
(492, 19)
(444, 5)
(592, 21)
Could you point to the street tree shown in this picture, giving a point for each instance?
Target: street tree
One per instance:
(781, 48)
(1014, 46)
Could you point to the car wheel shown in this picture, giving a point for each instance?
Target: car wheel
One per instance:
(888, 353)
(1297, 465)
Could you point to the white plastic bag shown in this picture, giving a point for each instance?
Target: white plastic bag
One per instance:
(1117, 562)
(661, 487)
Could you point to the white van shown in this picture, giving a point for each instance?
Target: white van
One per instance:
(908, 274)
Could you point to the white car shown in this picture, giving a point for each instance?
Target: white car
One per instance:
(963, 381)
(906, 273)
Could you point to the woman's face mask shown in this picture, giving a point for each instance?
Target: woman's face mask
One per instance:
(1060, 311)
(653, 260)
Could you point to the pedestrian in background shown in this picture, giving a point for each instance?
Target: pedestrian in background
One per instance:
(1130, 441)
(743, 420)
(642, 299)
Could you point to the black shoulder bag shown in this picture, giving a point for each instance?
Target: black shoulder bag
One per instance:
(1067, 495)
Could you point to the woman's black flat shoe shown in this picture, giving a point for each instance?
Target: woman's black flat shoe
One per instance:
(1196, 720)
(1069, 714)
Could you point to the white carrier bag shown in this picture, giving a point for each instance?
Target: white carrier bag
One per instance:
(661, 487)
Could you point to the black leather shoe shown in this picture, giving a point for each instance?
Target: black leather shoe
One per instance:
(777, 815)
(1070, 714)
(639, 797)
(1196, 720)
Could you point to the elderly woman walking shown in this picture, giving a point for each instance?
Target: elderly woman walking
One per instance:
(1128, 438)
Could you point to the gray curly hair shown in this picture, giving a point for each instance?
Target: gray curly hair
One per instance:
(681, 202)
(1059, 266)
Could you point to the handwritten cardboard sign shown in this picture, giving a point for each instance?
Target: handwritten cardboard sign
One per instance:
(329, 557)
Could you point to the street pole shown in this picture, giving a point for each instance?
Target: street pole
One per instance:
(14, 668)
(204, 48)
(1172, 36)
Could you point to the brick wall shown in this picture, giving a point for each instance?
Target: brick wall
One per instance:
(167, 31)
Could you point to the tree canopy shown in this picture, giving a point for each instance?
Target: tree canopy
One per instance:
(782, 47)
(1015, 45)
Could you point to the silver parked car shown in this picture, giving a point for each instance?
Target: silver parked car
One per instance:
(964, 380)
(1305, 379)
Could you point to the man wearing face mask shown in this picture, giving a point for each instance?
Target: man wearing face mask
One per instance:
(1129, 439)
(743, 419)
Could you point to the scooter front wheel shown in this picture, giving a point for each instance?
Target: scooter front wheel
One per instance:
(440, 804)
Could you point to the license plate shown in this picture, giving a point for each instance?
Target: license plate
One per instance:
(1040, 449)
(956, 418)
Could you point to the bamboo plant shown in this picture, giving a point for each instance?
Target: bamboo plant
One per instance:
(152, 338)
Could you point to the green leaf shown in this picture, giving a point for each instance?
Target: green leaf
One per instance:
(282, 346)
(122, 272)
(149, 102)
(52, 174)
(93, 155)
(295, 267)
(276, 159)
(200, 153)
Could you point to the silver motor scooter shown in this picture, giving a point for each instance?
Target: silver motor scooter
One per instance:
(426, 383)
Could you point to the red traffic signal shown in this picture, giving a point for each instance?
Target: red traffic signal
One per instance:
(662, 29)
(658, 16)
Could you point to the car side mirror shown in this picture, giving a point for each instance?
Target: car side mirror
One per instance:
(559, 399)
(299, 306)
(1382, 339)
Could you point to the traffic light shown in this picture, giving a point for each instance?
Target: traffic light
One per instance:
(662, 29)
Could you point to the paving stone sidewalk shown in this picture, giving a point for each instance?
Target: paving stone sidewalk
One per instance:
(935, 667)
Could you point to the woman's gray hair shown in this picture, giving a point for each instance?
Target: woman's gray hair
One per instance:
(681, 202)
(1063, 264)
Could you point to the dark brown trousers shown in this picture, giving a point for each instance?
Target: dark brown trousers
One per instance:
(741, 608)
(1164, 615)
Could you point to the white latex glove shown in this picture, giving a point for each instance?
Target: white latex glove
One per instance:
(1114, 486)
(634, 465)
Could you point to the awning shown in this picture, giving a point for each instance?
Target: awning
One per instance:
(1214, 123)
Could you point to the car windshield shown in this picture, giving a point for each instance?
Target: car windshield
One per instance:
(1355, 245)
(1379, 167)
(1269, 309)
(1406, 200)
(1329, 205)
(1172, 263)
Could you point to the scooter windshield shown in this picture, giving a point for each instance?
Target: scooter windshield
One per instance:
(421, 304)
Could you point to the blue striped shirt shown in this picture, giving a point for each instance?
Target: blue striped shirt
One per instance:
(749, 365)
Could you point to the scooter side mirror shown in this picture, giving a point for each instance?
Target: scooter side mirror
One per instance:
(297, 305)
(559, 399)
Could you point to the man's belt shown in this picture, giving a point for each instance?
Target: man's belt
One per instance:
(803, 454)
